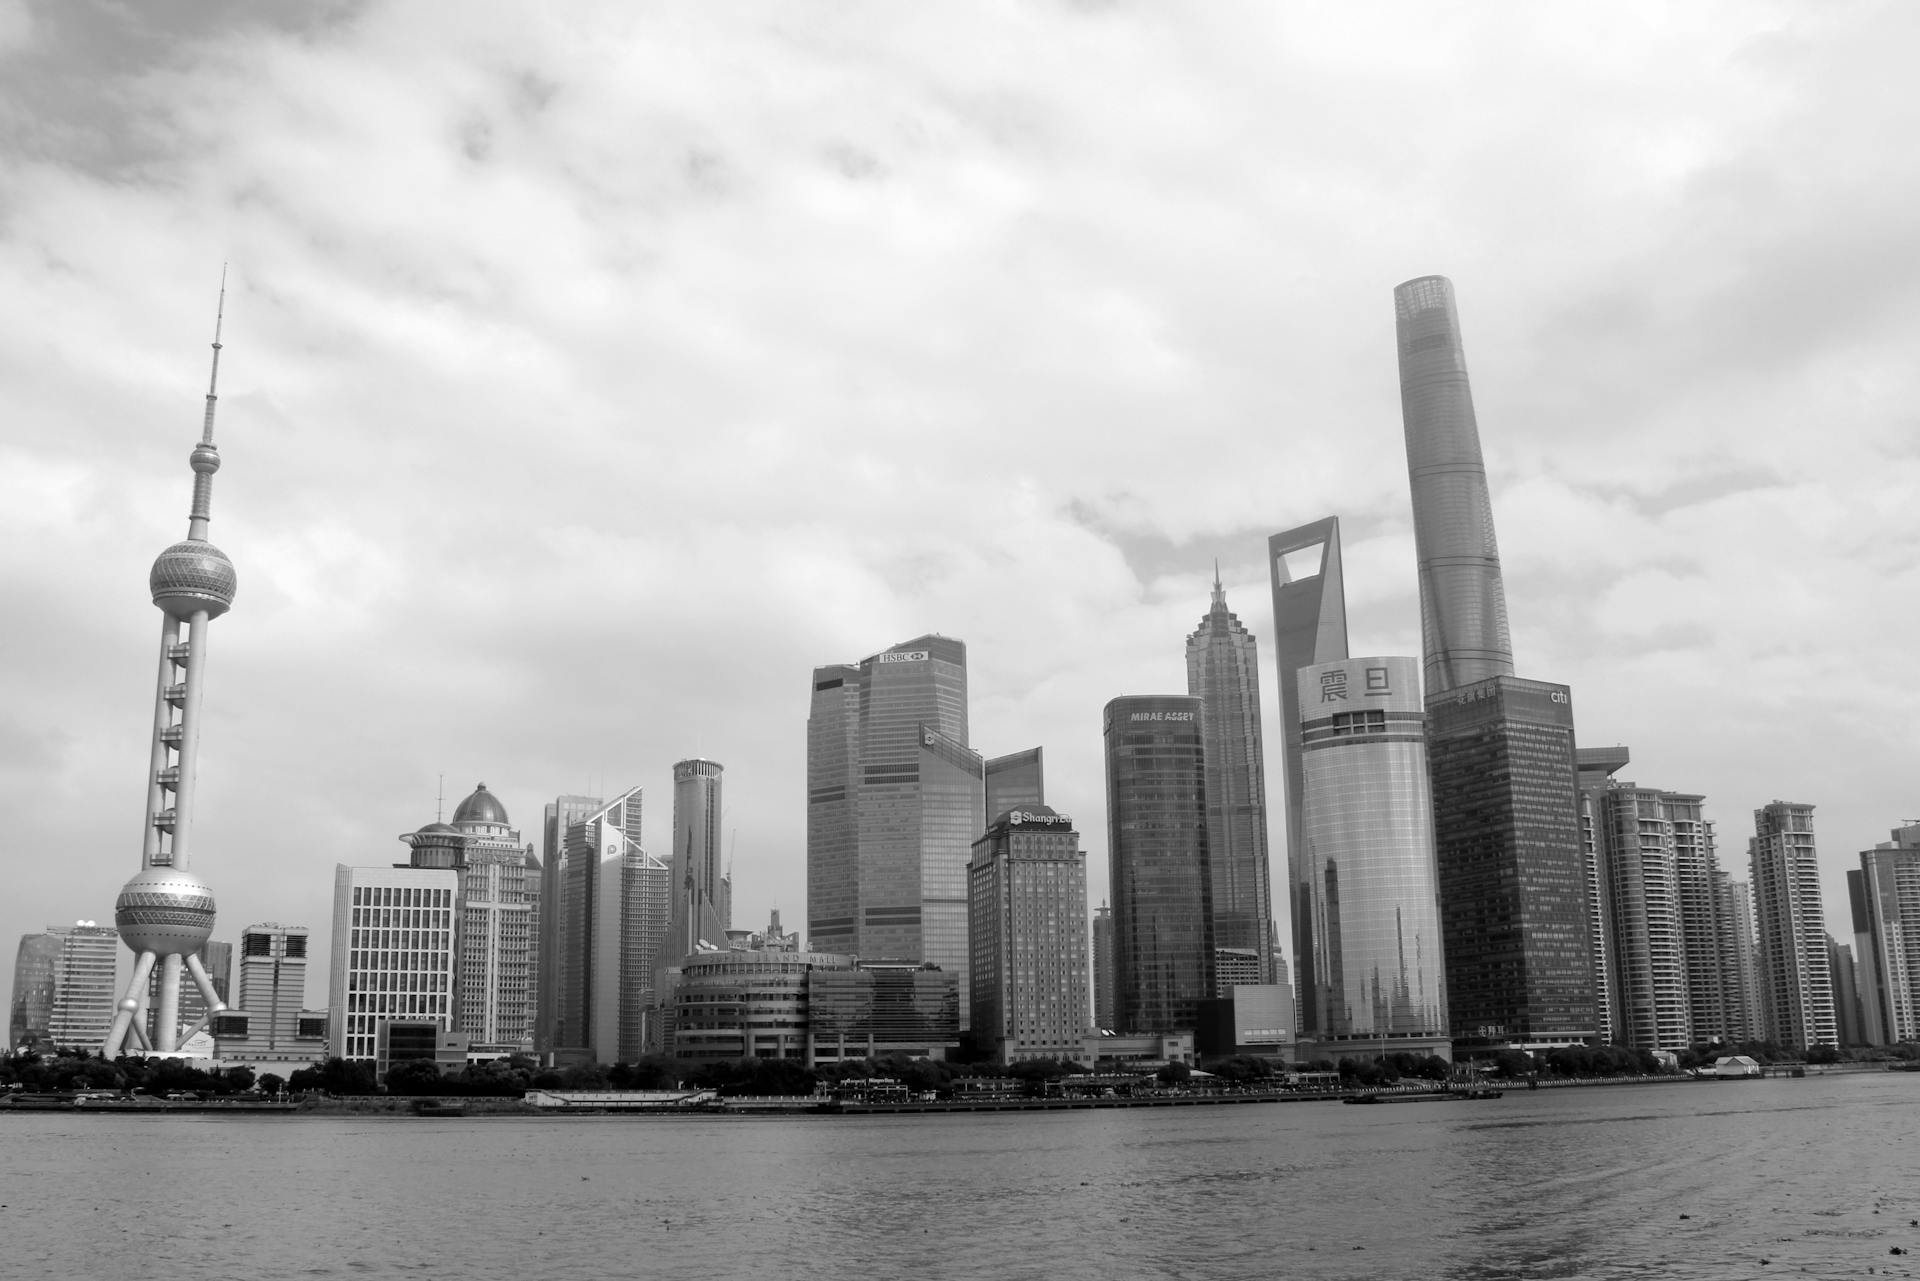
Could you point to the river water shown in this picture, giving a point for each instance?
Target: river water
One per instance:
(1702, 1180)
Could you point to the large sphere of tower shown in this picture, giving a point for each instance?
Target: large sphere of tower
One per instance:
(191, 576)
(166, 911)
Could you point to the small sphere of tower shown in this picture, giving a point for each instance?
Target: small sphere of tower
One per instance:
(191, 576)
(166, 911)
(205, 458)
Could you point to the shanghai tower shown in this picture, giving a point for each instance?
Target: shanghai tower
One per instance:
(165, 913)
(1463, 604)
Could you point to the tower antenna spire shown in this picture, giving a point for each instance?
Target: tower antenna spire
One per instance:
(213, 379)
(1219, 592)
(206, 456)
(166, 913)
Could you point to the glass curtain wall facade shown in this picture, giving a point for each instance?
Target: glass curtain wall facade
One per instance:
(1796, 990)
(1513, 894)
(1103, 980)
(895, 798)
(1367, 843)
(31, 1008)
(1158, 867)
(617, 900)
(877, 1008)
(738, 1005)
(1016, 781)
(1309, 627)
(1223, 672)
(561, 813)
(1463, 602)
(696, 831)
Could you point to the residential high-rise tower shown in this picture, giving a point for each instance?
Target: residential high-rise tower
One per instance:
(1796, 988)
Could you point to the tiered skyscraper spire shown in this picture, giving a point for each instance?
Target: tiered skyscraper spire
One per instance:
(165, 913)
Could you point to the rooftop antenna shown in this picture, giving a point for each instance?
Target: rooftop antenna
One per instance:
(440, 801)
(207, 457)
(213, 379)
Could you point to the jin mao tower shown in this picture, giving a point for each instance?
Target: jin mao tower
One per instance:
(165, 913)
(1223, 673)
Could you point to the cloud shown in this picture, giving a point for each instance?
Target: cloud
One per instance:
(591, 376)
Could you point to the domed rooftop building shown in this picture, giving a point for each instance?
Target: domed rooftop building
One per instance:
(481, 811)
(439, 845)
(499, 905)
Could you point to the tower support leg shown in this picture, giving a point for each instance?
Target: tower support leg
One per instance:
(166, 1020)
(131, 1002)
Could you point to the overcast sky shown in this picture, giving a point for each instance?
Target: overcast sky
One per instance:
(593, 372)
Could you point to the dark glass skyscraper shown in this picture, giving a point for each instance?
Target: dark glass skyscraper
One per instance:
(1015, 781)
(1223, 673)
(1463, 603)
(1513, 894)
(1158, 865)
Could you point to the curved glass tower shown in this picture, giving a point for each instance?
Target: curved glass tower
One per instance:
(1373, 976)
(1463, 603)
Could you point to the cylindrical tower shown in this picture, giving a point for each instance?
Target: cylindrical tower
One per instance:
(696, 829)
(165, 913)
(1372, 971)
(1463, 603)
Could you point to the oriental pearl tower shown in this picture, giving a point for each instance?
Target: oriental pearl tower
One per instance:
(165, 913)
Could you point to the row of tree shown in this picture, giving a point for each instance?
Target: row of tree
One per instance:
(67, 1070)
